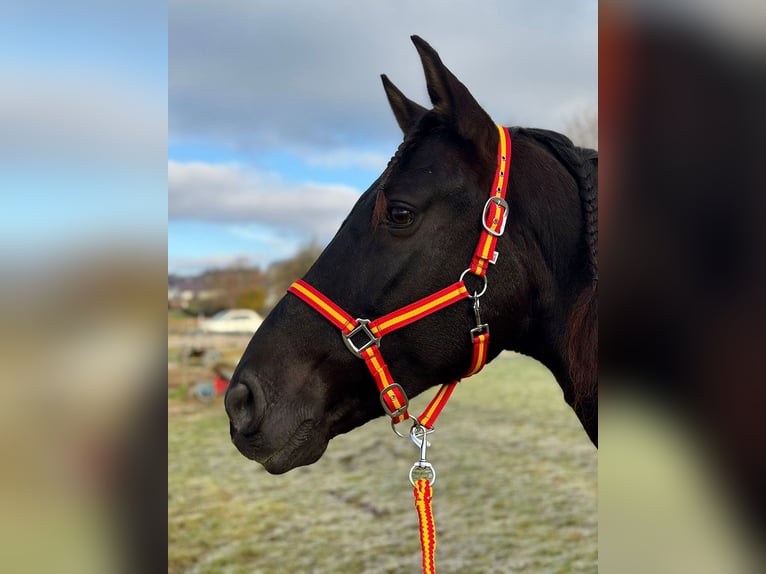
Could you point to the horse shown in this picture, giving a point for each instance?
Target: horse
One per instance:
(408, 236)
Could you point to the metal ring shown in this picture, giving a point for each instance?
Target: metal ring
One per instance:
(475, 294)
(393, 427)
(426, 465)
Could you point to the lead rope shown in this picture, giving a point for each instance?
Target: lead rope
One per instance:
(423, 473)
(423, 494)
(422, 477)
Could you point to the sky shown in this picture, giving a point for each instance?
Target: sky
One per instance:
(83, 128)
(277, 119)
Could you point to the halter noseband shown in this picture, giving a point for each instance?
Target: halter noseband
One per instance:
(362, 336)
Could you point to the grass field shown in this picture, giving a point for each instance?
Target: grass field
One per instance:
(516, 490)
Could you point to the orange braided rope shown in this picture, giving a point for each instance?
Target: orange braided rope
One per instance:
(423, 495)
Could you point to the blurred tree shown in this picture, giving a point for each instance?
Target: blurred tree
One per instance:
(253, 298)
(207, 307)
(281, 274)
(231, 282)
(249, 287)
(223, 287)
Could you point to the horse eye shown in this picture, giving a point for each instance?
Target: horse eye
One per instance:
(400, 216)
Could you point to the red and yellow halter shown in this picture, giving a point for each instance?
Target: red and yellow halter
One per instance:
(392, 395)
(362, 338)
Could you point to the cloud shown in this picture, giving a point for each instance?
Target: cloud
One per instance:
(347, 158)
(232, 194)
(268, 80)
(94, 121)
(256, 234)
(276, 74)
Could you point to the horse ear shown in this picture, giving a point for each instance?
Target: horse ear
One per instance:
(406, 112)
(453, 100)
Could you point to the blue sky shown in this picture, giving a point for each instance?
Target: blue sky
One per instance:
(83, 117)
(277, 104)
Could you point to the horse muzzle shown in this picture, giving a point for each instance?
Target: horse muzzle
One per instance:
(276, 440)
(245, 404)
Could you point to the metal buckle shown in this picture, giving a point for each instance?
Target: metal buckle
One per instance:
(503, 205)
(401, 410)
(478, 330)
(360, 328)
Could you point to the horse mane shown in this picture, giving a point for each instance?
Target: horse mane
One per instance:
(582, 323)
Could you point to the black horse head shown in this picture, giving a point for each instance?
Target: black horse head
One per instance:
(412, 233)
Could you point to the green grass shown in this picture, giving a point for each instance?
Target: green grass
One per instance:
(516, 490)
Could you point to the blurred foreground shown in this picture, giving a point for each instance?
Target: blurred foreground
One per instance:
(83, 174)
(82, 419)
(683, 277)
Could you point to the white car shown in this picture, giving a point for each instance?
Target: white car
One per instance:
(232, 321)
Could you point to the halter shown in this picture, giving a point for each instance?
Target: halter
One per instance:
(362, 338)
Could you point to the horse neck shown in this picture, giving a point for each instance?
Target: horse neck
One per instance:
(546, 340)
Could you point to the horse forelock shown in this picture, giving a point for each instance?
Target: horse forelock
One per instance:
(381, 202)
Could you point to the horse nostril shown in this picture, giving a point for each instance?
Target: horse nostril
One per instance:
(241, 408)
